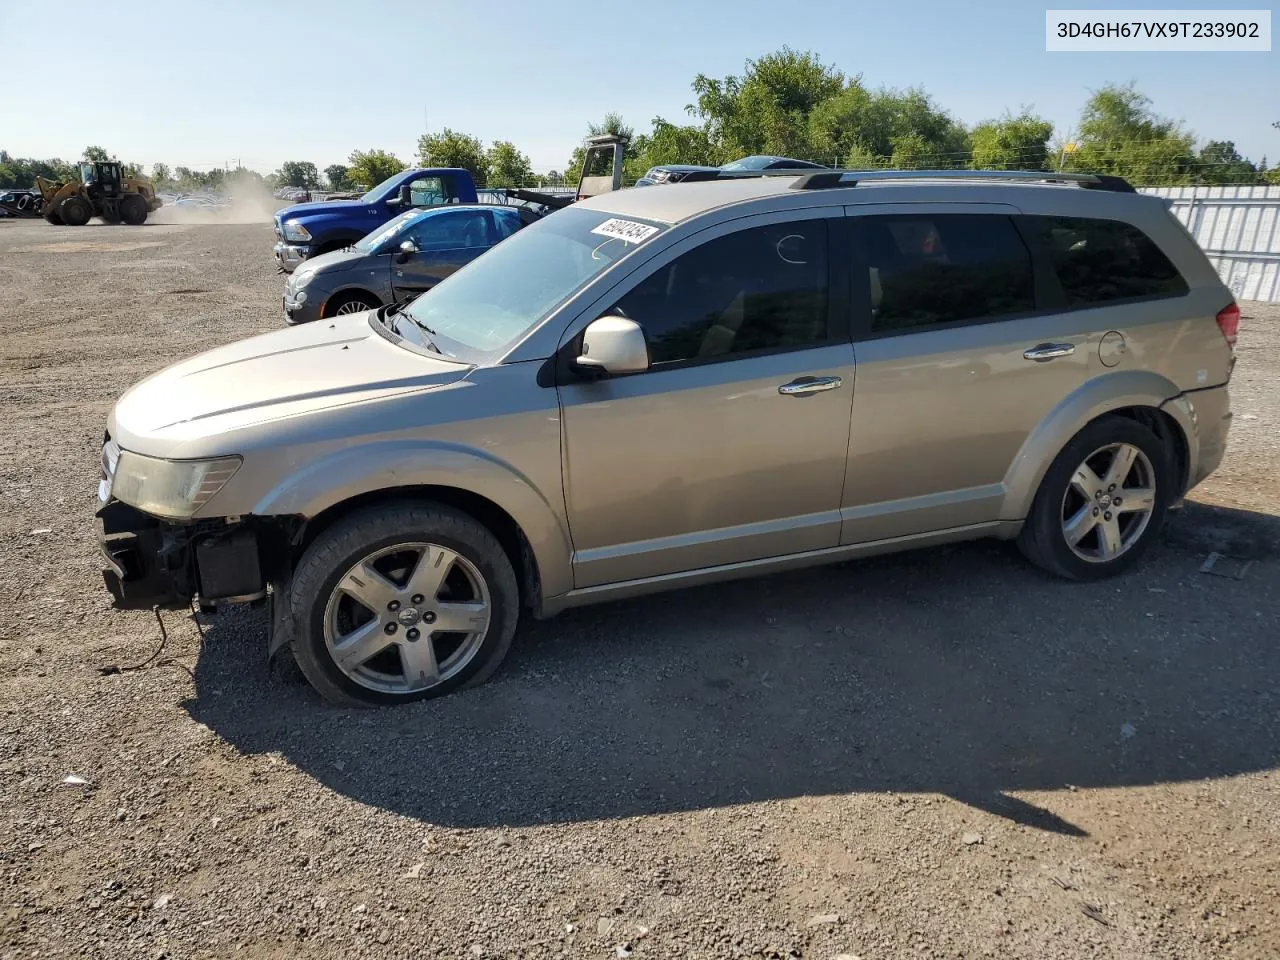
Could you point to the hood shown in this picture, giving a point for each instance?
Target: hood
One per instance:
(291, 372)
(320, 206)
(326, 263)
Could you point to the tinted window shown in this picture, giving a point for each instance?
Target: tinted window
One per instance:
(758, 289)
(508, 222)
(426, 191)
(1103, 260)
(925, 270)
(451, 231)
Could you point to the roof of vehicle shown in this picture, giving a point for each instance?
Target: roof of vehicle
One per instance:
(677, 202)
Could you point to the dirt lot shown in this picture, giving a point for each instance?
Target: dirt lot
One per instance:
(943, 754)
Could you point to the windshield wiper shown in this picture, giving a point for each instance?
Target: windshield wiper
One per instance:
(397, 310)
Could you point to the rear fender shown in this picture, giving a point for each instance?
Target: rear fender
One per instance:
(392, 465)
(1114, 391)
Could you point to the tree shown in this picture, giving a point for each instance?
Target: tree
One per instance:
(669, 143)
(96, 154)
(299, 173)
(449, 148)
(1122, 136)
(160, 174)
(1219, 163)
(338, 176)
(1012, 143)
(371, 167)
(508, 167)
(866, 128)
(766, 110)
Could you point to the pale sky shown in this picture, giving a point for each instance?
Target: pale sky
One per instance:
(204, 84)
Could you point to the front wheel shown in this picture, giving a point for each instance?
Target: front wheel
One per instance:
(133, 209)
(402, 602)
(346, 303)
(1101, 503)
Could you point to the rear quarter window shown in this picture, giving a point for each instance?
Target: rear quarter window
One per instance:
(1103, 261)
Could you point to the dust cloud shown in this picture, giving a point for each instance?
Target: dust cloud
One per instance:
(244, 202)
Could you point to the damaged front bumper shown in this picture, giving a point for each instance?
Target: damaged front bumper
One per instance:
(155, 563)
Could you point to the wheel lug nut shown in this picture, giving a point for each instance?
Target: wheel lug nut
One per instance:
(1110, 488)
(1117, 501)
(412, 634)
(393, 606)
(1097, 494)
(428, 617)
(1106, 516)
(1095, 511)
(417, 599)
(389, 628)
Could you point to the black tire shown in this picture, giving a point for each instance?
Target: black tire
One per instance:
(340, 548)
(352, 301)
(1043, 539)
(52, 216)
(332, 245)
(133, 209)
(74, 211)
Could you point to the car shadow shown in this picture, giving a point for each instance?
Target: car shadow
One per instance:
(958, 670)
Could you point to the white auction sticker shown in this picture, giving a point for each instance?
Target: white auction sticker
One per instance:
(1156, 30)
(626, 230)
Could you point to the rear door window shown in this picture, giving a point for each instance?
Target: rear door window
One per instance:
(1102, 261)
(931, 270)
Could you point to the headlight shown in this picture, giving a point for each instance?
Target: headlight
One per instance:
(296, 231)
(299, 279)
(169, 488)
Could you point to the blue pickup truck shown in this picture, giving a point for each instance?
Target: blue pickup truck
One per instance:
(308, 229)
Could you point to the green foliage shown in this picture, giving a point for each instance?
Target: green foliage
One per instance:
(669, 143)
(368, 168)
(508, 167)
(766, 110)
(338, 176)
(1012, 143)
(449, 148)
(1219, 163)
(299, 173)
(160, 175)
(96, 154)
(1121, 135)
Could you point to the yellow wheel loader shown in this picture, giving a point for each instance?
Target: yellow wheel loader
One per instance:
(102, 191)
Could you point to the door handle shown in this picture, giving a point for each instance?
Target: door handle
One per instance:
(1047, 351)
(807, 385)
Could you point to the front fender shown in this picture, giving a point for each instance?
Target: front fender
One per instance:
(390, 465)
(1113, 391)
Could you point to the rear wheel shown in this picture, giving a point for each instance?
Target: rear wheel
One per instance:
(52, 216)
(402, 602)
(1101, 503)
(133, 209)
(74, 211)
(346, 303)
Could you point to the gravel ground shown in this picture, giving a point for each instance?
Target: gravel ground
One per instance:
(940, 754)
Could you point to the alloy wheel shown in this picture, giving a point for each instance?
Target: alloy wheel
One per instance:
(1109, 502)
(407, 617)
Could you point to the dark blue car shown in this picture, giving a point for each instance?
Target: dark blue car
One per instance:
(401, 259)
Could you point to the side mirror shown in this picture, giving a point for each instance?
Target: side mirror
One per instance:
(612, 346)
(406, 196)
(406, 250)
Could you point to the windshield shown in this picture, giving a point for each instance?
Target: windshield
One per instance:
(504, 293)
(377, 191)
(372, 241)
(748, 163)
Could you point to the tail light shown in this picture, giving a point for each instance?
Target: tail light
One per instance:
(1229, 322)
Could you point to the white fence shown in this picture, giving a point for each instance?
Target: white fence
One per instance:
(1239, 228)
